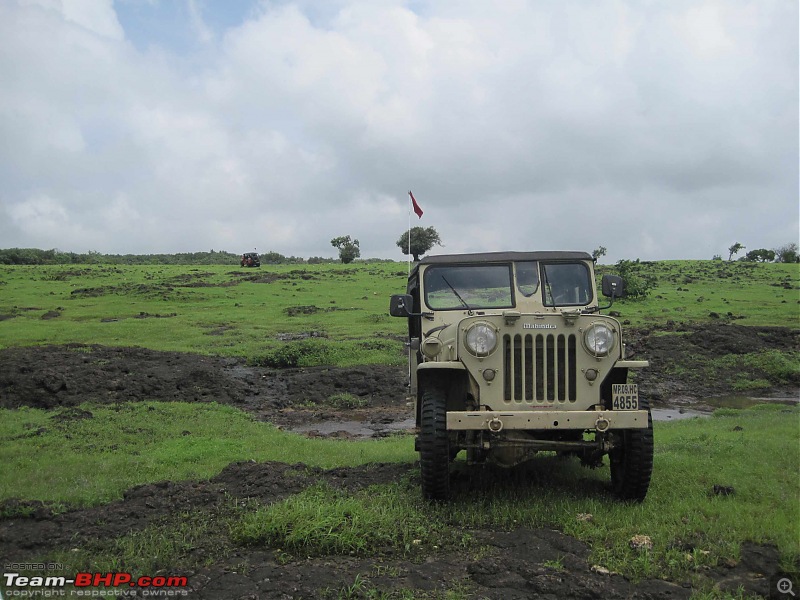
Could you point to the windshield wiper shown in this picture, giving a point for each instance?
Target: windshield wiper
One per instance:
(464, 304)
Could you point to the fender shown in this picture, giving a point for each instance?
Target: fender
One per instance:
(454, 375)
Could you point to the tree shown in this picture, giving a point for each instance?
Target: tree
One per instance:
(598, 252)
(734, 250)
(422, 240)
(787, 253)
(348, 248)
(760, 255)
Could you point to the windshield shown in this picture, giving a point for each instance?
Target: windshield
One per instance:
(468, 287)
(567, 284)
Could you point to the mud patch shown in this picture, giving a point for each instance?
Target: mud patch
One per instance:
(53, 376)
(303, 335)
(681, 355)
(63, 376)
(294, 311)
(152, 291)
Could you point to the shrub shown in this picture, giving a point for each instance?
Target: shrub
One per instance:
(637, 285)
(347, 400)
(302, 353)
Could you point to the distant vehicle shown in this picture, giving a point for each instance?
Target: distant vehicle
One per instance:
(510, 356)
(251, 259)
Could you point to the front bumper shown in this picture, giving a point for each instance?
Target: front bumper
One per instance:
(496, 421)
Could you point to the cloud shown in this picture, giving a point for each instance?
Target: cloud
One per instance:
(658, 131)
(202, 31)
(95, 16)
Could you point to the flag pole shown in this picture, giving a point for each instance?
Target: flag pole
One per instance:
(416, 208)
(408, 276)
(409, 233)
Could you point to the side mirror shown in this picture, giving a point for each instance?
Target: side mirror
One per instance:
(613, 286)
(401, 305)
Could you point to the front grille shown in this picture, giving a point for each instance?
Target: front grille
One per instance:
(539, 368)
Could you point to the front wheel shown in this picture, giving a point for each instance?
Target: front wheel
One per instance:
(632, 461)
(434, 445)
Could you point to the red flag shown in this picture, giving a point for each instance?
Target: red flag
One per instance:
(417, 209)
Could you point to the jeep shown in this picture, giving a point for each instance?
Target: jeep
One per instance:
(250, 259)
(509, 356)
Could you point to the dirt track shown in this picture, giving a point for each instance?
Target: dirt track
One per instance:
(514, 565)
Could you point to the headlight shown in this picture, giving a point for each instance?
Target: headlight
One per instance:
(599, 339)
(481, 339)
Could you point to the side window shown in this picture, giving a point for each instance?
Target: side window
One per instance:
(528, 278)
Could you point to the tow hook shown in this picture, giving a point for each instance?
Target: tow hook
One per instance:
(602, 424)
(495, 425)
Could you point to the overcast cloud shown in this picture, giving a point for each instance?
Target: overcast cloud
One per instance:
(659, 130)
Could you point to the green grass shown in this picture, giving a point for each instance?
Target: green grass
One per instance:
(347, 400)
(91, 461)
(708, 290)
(322, 520)
(264, 314)
(305, 315)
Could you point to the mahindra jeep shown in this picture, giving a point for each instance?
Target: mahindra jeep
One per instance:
(250, 259)
(509, 356)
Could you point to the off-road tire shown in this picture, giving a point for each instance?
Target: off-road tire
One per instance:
(434, 447)
(632, 461)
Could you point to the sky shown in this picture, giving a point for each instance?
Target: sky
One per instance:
(658, 130)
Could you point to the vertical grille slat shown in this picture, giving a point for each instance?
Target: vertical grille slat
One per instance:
(540, 368)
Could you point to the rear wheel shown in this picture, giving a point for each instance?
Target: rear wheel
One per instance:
(434, 446)
(632, 461)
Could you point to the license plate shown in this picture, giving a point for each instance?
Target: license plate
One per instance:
(624, 396)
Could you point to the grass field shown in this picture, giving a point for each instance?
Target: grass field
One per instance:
(712, 290)
(209, 310)
(269, 315)
(229, 311)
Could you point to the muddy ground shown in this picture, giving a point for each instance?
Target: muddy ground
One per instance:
(513, 565)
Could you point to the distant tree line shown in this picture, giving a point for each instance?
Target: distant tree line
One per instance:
(787, 253)
(35, 256)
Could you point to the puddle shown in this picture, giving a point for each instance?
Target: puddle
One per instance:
(356, 428)
(706, 406)
(676, 414)
(741, 402)
(699, 408)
